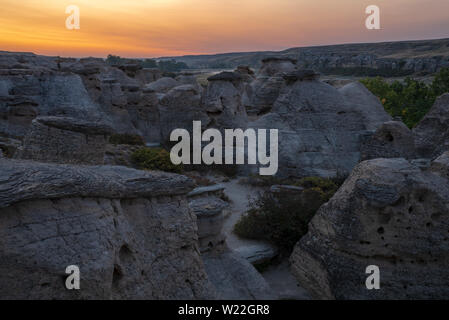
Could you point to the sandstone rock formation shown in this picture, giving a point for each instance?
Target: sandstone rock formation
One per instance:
(222, 100)
(369, 106)
(130, 232)
(268, 84)
(178, 108)
(231, 274)
(65, 140)
(162, 85)
(319, 129)
(432, 132)
(208, 206)
(388, 213)
(393, 139)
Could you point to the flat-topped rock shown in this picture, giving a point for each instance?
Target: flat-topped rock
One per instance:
(205, 190)
(301, 75)
(130, 232)
(76, 125)
(28, 180)
(225, 76)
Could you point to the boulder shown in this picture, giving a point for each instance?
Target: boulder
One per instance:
(130, 233)
(432, 132)
(392, 139)
(368, 105)
(388, 213)
(235, 278)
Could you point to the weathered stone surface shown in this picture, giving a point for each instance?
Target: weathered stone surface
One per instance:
(432, 132)
(275, 65)
(388, 213)
(162, 85)
(258, 253)
(130, 232)
(367, 104)
(393, 139)
(210, 219)
(235, 278)
(178, 108)
(441, 165)
(65, 140)
(319, 131)
(222, 100)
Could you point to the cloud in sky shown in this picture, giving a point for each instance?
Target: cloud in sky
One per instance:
(150, 28)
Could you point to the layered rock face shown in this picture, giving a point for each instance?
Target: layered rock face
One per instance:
(388, 213)
(130, 232)
(65, 140)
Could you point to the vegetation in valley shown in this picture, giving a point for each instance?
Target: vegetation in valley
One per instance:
(154, 159)
(283, 218)
(410, 99)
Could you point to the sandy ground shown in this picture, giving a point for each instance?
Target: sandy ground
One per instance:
(278, 276)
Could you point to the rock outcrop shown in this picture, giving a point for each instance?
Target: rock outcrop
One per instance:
(231, 274)
(178, 108)
(208, 205)
(222, 100)
(391, 214)
(432, 132)
(369, 106)
(320, 131)
(65, 140)
(130, 233)
(393, 139)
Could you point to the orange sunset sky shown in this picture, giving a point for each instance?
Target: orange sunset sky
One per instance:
(153, 28)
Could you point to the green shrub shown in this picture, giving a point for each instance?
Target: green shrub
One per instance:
(282, 218)
(154, 159)
(326, 186)
(410, 99)
(130, 139)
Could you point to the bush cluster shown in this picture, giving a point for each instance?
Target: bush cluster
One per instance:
(410, 99)
(154, 159)
(282, 218)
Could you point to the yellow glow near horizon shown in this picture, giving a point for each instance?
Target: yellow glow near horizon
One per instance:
(149, 28)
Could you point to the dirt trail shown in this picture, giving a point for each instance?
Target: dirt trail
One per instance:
(278, 276)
